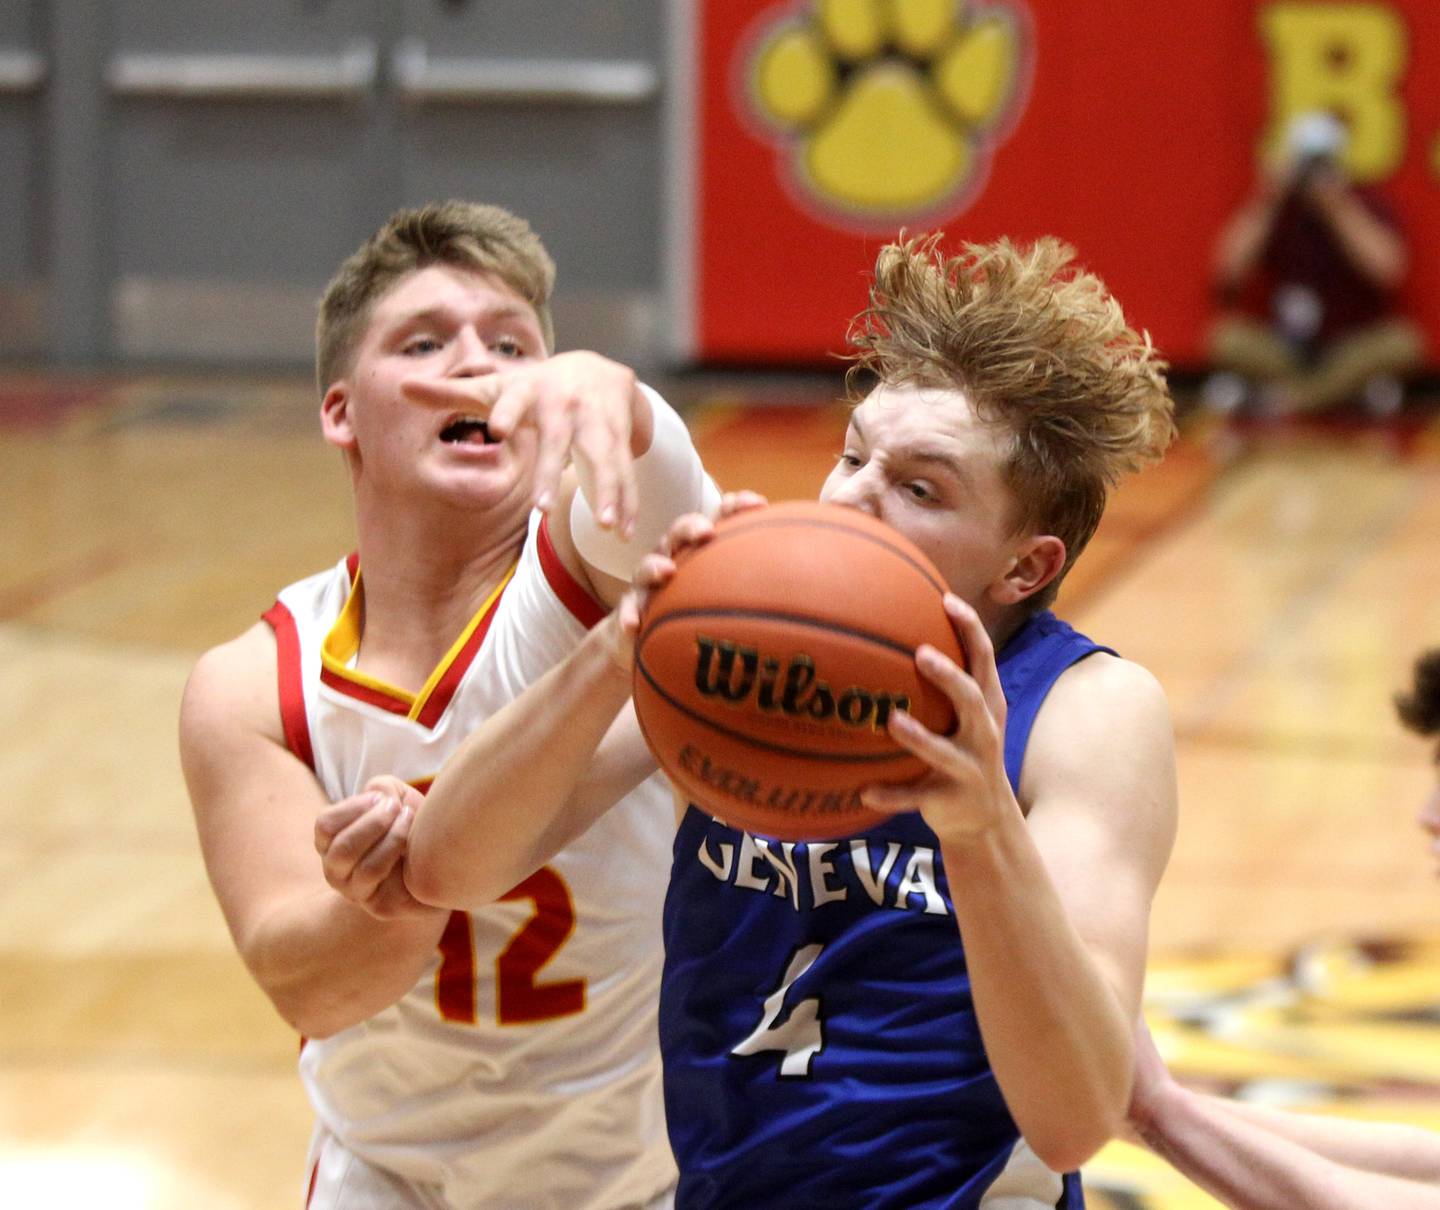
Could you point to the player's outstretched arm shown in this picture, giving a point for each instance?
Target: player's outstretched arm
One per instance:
(535, 775)
(540, 771)
(325, 963)
(1257, 1158)
(1250, 1168)
(1053, 905)
(1391, 1149)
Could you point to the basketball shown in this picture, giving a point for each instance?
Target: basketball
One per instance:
(767, 668)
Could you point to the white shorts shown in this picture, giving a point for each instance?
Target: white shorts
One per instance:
(340, 1180)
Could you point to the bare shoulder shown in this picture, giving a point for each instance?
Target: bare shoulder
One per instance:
(232, 691)
(1103, 694)
(1104, 734)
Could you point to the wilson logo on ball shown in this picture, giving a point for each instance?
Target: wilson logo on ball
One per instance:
(739, 675)
(767, 696)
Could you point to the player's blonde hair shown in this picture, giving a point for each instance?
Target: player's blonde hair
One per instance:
(466, 234)
(1039, 347)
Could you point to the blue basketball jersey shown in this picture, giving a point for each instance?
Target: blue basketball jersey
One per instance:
(820, 1043)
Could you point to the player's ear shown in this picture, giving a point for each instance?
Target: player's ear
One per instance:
(335, 415)
(1037, 561)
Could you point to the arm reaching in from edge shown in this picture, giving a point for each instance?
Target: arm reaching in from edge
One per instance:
(1255, 1158)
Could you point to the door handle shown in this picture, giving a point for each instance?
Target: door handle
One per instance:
(423, 79)
(350, 75)
(21, 71)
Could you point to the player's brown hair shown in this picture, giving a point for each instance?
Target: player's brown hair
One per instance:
(1037, 346)
(467, 234)
(1419, 709)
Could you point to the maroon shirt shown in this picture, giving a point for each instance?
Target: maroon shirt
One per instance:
(1303, 251)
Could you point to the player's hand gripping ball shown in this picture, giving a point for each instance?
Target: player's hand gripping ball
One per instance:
(766, 669)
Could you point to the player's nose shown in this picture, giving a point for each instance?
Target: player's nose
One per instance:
(472, 356)
(860, 491)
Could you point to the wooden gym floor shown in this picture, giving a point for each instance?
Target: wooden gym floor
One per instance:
(1278, 582)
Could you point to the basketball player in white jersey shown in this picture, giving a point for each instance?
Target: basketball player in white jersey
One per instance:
(507, 1056)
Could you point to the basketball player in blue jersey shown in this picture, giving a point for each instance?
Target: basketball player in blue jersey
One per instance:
(937, 1013)
(1253, 1157)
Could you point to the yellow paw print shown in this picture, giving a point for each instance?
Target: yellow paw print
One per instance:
(890, 106)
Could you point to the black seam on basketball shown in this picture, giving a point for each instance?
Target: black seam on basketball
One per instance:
(751, 741)
(877, 539)
(771, 615)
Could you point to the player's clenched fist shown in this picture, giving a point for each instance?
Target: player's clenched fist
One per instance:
(361, 841)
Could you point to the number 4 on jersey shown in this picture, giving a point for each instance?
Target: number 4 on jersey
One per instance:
(802, 1036)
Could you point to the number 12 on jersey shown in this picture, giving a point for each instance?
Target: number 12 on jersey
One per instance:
(520, 997)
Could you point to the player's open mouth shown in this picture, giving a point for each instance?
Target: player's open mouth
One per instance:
(467, 430)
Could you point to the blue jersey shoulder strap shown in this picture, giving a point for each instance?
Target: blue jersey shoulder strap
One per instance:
(1030, 663)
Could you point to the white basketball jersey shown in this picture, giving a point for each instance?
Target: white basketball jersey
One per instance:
(523, 1068)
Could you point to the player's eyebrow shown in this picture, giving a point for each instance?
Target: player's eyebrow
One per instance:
(946, 462)
(926, 454)
(444, 314)
(511, 311)
(425, 315)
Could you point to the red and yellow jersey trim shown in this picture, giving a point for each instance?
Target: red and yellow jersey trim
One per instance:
(293, 720)
(426, 707)
(573, 595)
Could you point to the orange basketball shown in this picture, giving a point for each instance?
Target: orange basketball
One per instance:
(766, 669)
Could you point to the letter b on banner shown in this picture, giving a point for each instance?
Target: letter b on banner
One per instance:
(1346, 59)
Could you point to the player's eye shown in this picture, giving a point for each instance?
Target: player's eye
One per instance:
(851, 461)
(419, 346)
(921, 491)
(508, 346)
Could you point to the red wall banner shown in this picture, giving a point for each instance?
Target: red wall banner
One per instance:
(812, 130)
